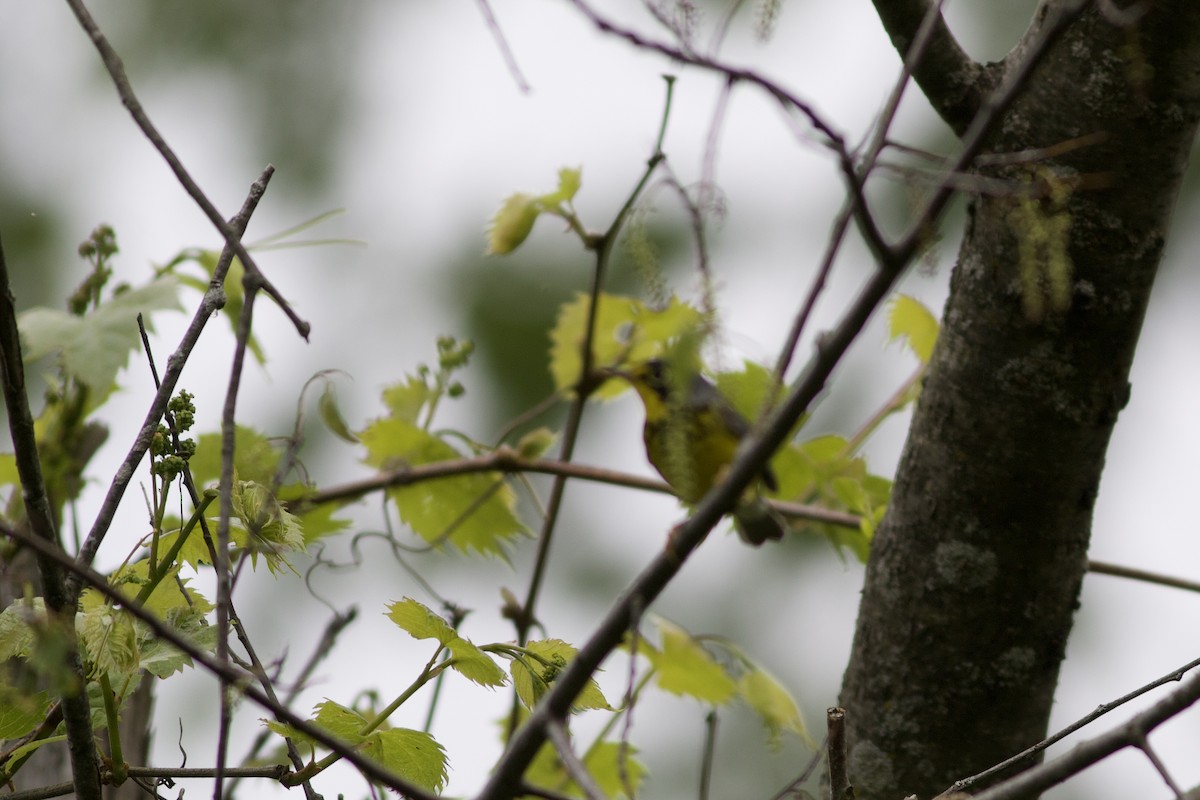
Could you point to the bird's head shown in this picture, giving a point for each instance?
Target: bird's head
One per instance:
(653, 380)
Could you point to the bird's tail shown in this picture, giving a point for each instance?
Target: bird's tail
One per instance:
(756, 522)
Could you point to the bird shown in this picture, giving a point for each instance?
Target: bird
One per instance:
(691, 435)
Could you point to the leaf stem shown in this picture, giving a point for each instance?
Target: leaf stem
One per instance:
(119, 767)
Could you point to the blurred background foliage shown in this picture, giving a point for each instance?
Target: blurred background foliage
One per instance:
(286, 68)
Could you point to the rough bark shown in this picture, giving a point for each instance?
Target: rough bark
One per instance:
(974, 575)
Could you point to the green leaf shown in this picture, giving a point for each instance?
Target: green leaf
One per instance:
(746, 390)
(613, 765)
(21, 711)
(685, 668)
(342, 722)
(108, 635)
(609, 764)
(533, 674)
(535, 443)
(254, 458)
(316, 522)
(569, 181)
(851, 494)
(172, 596)
(8, 470)
(419, 622)
(339, 721)
(546, 770)
(195, 550)
(415, 756)
(627, 331)
(22, 752)
(286, 731)
(331, 414)
(16, 627)
(771, 701)
(162, 659)
(910, 320)
(475, 512)
(512, 224)
(405, 400)
(274, 531)
(95, 347)
(474, 664)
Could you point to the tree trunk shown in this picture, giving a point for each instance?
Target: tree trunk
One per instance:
(974, 575)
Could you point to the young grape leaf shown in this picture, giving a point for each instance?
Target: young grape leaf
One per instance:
(774, 704)
(685, 668)
(473, 512)
(627, 331)
(910, 320)
(94, 347)
(532, 675)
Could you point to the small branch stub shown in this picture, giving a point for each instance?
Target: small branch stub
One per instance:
(839, 782)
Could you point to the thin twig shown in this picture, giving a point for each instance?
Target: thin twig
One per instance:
(1171, 677)
(855, 205)
(602, 245)
(62, 789)
(1038, 779)
(789, 100)
(1105, 568)
(571, 763)
(506, 52)
(708, 165)
(791, 789)
(256, 667)
(116, 70)
(708, 757)
(250, 288)
(506, 459)
(954, 83)
(1142, 743)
